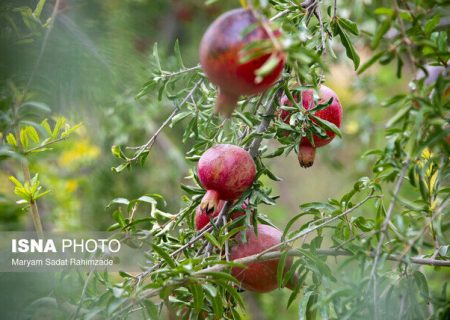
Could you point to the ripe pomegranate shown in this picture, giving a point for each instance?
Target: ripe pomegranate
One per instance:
(332, 113)
(258, 276)
(225, 171)
(202, 218)
(220, 53)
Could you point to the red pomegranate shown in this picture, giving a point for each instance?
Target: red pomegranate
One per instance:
(225, 171)
(332, 113)
(202, 218)
(220, 54)
(258, 276)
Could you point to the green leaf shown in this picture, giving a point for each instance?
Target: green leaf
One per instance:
(311, 309)
(118, 201)
(349, 49)
(180, 116)
(11, 140)
(349, 25)
(147, 199)
(280, 269)
(71, 130)
(370, 62)
(178, 55)
(443, 250)
(151, 308)
(156, 56)
(121, 167)
(163, 254)
(24, 138)
(117, 152)
(422, 284)
(39, 6)
(60, 122)
(398, 116)
(118, 216)
(33, 107)
(46, 126)
(380, 32)
(232, 291)
(385, 11)
(276, 153)
(16, 182)
(328, 126)
(32, 134)
(197, 295)
(212, 240)
(210, 289)
(40, 195)
(303, 305)
(267, 67)
(432, 24)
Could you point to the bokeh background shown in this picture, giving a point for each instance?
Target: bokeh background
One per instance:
(97, 59)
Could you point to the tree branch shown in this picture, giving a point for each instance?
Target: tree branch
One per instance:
(294, 253)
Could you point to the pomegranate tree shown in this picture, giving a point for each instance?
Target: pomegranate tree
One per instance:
(257, 276)
(221, 50)
(332, 113)
(226, 171)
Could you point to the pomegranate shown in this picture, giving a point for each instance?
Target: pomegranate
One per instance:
(225, 171)
(332, 113)
(202, 218)
(257, 276)
(220, 54)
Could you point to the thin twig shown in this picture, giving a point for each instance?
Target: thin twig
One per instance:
(44, 145)
(227, 250)
(318, 14)
(309, 230)
(265, 122)
(147, 146)
(223, 213)
(279, 15)
(166, 74)
(405, 38)
(386, 221)
(335, 9)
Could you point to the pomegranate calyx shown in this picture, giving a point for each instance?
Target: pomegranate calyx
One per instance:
(306, 155)
(210, 201)
(225, 103)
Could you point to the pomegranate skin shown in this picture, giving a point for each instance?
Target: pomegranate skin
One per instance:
(258, 276)
(202, 218)
(225, 171)
(333, 114)
(220, 53)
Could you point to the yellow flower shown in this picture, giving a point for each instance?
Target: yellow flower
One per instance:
(81, 151)
(71, 185)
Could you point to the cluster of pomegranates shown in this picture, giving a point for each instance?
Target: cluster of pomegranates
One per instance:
(221, 50)
(227, 171)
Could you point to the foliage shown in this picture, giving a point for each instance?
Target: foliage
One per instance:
(391, 228)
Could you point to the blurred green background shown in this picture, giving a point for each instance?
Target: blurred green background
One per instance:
(98, 57)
